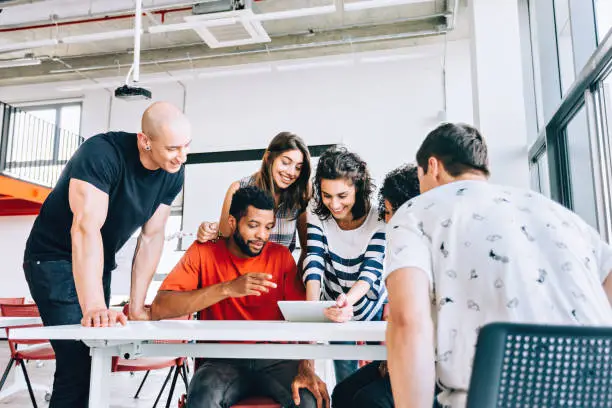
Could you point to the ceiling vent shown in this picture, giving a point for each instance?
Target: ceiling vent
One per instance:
(213, 6)
(229, 29)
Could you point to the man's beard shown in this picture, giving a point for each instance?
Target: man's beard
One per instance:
(244, 245)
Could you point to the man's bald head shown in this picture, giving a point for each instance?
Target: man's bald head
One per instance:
(161, 118)
(165, 137)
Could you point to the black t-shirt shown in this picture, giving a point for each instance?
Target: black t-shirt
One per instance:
(110, 162)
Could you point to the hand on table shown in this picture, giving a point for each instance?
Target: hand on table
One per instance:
(252, 283)
(103, 317)
(208, 231)
(342, 312)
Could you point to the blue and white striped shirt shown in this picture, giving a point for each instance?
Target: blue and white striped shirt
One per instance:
(338, 258)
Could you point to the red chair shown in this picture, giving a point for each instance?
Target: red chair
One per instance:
(19, 357)
(176, 365)
(12, 301)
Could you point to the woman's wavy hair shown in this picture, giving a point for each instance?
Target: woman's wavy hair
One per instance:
(338, 163)
(297, 195)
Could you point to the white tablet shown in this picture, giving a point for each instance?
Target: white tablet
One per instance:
(304, 310)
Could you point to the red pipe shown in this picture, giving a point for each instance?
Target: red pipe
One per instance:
(91, 20)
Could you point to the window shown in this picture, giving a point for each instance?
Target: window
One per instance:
(581, 183)
(603, 14)
(539, 174)
(607, 98)
(564, 43)
(41, 139)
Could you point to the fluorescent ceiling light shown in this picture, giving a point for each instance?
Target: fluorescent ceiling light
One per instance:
(164, 28)
(313, 64)
(27, 44)
(235, 72)
(21, 62)
(108, 35)
(370, 4)
(303, 12)
(396, 57)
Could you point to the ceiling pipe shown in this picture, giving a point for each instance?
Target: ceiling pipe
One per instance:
(162, 13)
(272, 49)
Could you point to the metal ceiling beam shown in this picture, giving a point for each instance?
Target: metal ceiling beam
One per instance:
(198, 56)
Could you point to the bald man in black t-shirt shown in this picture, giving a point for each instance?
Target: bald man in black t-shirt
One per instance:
(115, 183)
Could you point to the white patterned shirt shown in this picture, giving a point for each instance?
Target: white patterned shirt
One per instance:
(496, 253)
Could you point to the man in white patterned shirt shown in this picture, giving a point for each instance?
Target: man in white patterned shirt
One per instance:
(467, 252)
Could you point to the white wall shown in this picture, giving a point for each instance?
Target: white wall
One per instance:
(14, 232)
(381, 110)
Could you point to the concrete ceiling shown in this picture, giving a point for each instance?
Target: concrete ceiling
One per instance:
(326, 34)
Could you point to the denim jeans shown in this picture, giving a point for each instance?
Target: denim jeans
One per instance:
(364, 389)
(345, 368)
(367, 389)
(52, 288)
(221, 383)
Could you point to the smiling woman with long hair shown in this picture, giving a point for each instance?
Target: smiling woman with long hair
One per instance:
(285, 174)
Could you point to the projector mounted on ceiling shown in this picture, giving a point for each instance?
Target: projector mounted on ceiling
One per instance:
(127, 91)
(132, 93)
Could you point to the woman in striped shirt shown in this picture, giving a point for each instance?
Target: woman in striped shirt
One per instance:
(346, 244)
(285, 174)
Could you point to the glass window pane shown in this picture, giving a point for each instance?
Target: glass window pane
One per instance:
(539, 175)
(70, 123)
(537, 72)
(564, 43)
(581, 168)
(48, 115)
(603, 13)
(70, 118)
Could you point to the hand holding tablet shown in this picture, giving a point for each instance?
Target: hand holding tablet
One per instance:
(304, 310)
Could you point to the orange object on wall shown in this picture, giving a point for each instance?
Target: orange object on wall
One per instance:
(18, 197)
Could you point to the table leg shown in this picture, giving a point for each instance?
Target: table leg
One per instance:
(99, 386)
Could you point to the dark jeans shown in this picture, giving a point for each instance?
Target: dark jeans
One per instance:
(52, 287)
(367, 389)
(364, 389)
(221, 383)
(345, 368)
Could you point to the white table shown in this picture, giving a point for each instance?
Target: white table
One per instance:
(19, 383)
(134, 340)
(9, 321)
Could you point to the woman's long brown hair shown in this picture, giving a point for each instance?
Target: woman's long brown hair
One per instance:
(297, 195)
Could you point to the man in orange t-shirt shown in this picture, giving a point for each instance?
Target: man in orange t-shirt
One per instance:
(241, 278)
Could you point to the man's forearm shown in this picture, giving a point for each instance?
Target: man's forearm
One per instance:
(87, 267)
(171, 304)
(146, 259)
(411, 363)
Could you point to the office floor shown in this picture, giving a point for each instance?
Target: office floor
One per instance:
(123, 388)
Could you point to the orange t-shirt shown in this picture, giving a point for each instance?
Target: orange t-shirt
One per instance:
(212, 263)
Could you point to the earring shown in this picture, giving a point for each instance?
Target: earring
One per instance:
(147, 148)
